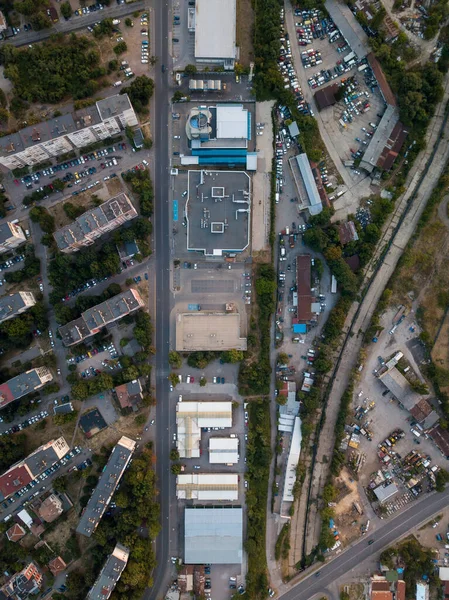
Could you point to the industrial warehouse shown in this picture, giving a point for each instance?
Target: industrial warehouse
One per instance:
(207, 486)
(191, 417)
(213, 535)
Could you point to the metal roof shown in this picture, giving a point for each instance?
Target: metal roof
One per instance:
(349, 27)
(215, 28)
(213, 535)
(292, 462)
(400, 388)
(309, 182)
(383, 493)
(223, 450)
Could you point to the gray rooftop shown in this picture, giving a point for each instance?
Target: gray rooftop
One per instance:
(10, 305)
(63, 409)
(400, 388)
(20, 385)
(349, 27)
(41, 460)
(93, 220)
(380, 138)
(98, 316)
(113, 106)
(383, 493)
(110, 574)
(213, 535)
(101, 496)
(37, 134)
(5, 231)
(218, 211)
(309, 183)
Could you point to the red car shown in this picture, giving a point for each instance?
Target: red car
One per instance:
(16, 181)
(192, 380)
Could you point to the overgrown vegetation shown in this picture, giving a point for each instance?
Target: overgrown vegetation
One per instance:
(140, 92)
(63, 67)
(257, 472)
(141, 185)
(282, 546)
(255, 369)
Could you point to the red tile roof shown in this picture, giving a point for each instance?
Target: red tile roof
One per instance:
(400, 590)
(303, 282)
(13, 480)
(57, 565)
(381, 80)
(15, 533)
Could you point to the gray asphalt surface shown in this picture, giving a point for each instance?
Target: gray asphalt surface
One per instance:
(386, 535)
(161, 233)
(75, 23)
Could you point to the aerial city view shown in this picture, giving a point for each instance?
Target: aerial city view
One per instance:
(224, 305)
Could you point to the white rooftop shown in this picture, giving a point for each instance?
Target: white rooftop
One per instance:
(232, 122)
(207, 486)
(292, 462)
(215, 28)
(191, 417)
(223, 450)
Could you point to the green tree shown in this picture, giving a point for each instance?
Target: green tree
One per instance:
(66, 10)
(173, 378)
(128, 22)
(232, 356)
(175, 468)
(175, 359)
(140, 92)
(282, 359)
(442, 477)
(174, 454)
(140, 420)
(120, 48)
(190, 70)
(203, 382)
(59, 484)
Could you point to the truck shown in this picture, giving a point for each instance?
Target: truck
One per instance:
(333, 285)
(362, 67)
(292, 241)
(349, 57)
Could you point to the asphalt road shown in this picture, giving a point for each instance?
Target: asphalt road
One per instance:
(75, 23)
(386, 535)
(161, 233)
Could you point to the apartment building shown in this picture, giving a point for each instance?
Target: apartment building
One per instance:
(27, 469)
(106, 486)
(23, 384)
(110, 574)
(93, 319)
(43, 141)
(15, 304)
(23, 584)
(11, 236)
(94, 223)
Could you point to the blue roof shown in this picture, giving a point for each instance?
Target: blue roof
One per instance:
(299, 328)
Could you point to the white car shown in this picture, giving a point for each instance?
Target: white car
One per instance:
(180, 398)
(41, 287)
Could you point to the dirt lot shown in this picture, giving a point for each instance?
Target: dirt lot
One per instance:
(347, 519)
(424, 275)
(133, 38)
(36, 436)
(245, 24)
(110, 436)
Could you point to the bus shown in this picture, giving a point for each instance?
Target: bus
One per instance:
(334, 285)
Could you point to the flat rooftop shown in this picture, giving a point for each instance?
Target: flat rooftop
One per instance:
(209, 331)
(10, 305)
(215, 28)
(113, 106)
(218, 211)
(223, 450)
(192, 417)
(213, 536)
(106, 486)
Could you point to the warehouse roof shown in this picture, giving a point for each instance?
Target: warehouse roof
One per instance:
(313, 195)
(292, 462)
(223, 450)
(207, 486)
(383, 493)
(440, 437)
(191, 417)
(213, 535)
(349, 27)
(303, 283)
(400, 388)
(384, 86)
(326, 96)
(215, 28)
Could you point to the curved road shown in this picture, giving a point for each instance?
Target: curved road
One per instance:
(386, 535)
(161, 233)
